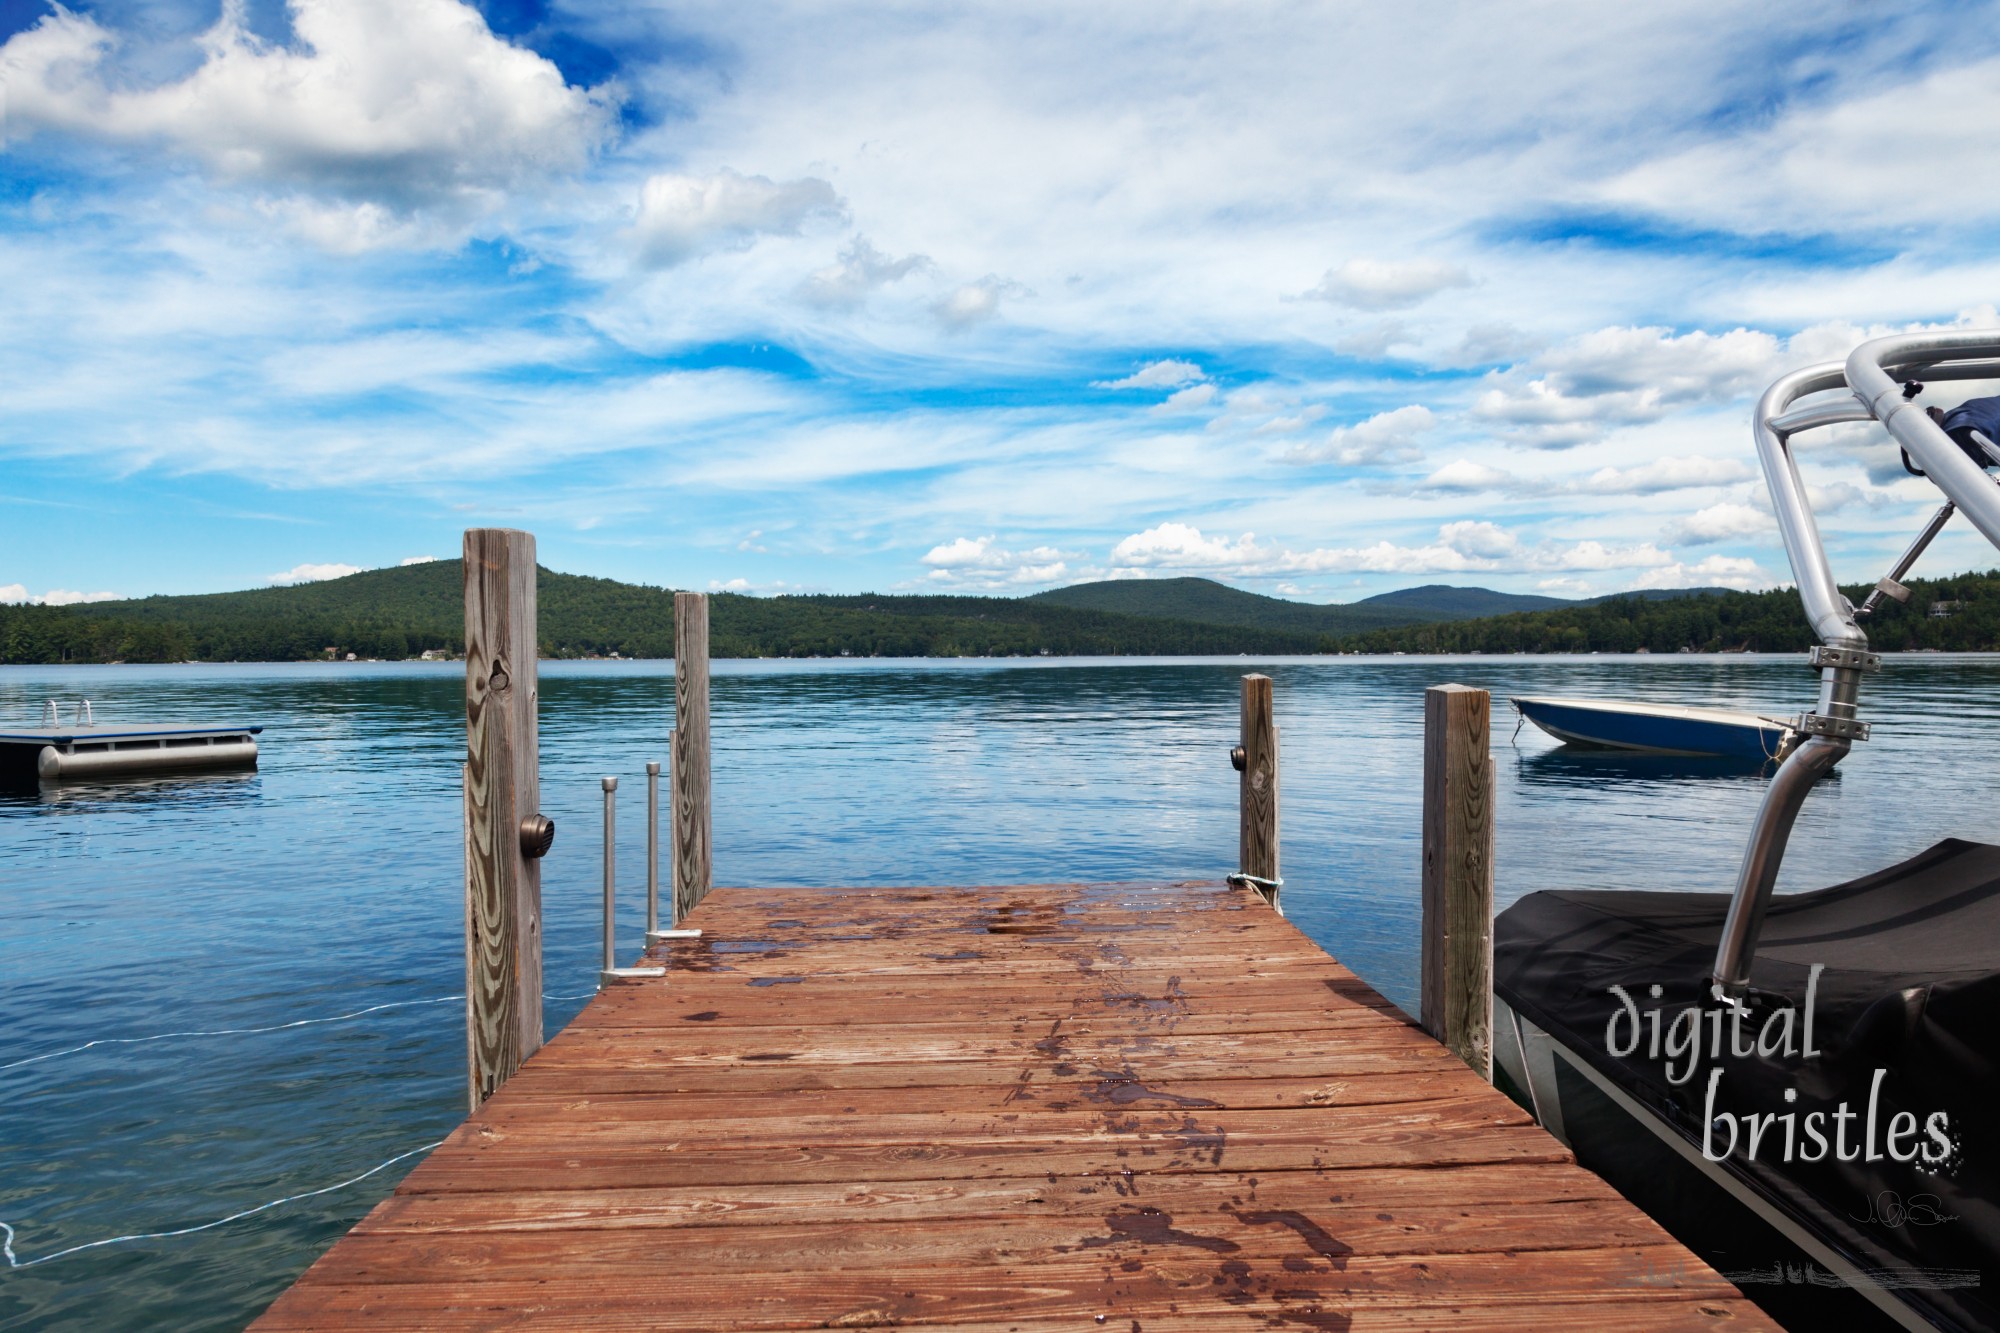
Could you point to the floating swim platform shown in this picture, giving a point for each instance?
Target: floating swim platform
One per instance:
(88, 749)
(1657, 728)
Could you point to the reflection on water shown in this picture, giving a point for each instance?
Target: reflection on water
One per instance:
(328, 881)
(1576, 766)
(206, 789)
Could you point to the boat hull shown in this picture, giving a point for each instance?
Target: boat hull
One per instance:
(1867, 1026)
(1656, 731)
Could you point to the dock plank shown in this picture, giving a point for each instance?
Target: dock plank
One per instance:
(1140, 1107)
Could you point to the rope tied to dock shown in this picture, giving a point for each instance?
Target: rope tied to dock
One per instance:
(1242, 878)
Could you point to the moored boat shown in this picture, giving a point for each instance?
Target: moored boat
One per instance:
(1657, 728)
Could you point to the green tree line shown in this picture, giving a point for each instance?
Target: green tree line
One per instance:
(404, 612)
(400, 613)
(1766, 622)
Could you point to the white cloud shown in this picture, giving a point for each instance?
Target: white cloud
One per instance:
(1463, 546)
(416, 560)
(399, 103)
(681, 217)
(1386, 437)
(860, 270)
(1666, 474)
(311, 573)
(1373, 284)
(16, 593)
(980, 563)
(1875, 161)
(1723, 522)
(1178, 545)
(1155, 375)
(976, 302)
(1617, 377)
(1490, 344)
(1715, 571)
(1462, 474)
(1190, 399)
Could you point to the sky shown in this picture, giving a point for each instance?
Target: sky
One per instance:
(1320, 300)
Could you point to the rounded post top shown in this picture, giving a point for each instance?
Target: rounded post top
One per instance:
(610, 784)
(653, 769)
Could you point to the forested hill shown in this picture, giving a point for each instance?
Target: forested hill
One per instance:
(397, 613)
(402, 612)
(1219, 604)
(1967, 619)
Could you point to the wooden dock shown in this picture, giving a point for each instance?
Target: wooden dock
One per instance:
(1142, 1108)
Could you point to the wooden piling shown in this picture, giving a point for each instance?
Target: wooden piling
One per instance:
(694, 870)
(1257, 802)
(503, 883)
(1458, 873)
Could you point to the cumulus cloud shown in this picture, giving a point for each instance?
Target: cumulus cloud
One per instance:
(416, 560)
(1467, 545)
(860, 270)
(1373, 284)
(311, 573)
(1386, 437)
(1616, 377)
(1462, 474)
(1720, 523)
(976, 302)
(681, 217)
(400, 103)
(1194, 397)
(1155, 375)
(17, 593)
(1715, 571)
(980, 562)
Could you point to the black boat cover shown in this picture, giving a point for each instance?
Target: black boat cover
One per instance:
(1905, 1039)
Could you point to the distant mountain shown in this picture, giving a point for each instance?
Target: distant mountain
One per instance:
(1212, 603)
(1208, 602)
(402, 612)
(1439, 601)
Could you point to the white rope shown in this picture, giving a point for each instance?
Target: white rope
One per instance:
(14, 1261)
(239, 1032)
(226, 1032)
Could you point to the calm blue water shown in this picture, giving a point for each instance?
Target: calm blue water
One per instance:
(330, 880)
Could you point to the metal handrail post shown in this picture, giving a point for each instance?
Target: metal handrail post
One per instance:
(652, 848)
(610, 873)
(653, 932)
(611, 971)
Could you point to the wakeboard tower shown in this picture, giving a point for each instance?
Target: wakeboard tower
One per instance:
(1806, 1091)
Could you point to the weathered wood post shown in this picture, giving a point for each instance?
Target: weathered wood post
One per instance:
(693, 859)
(1257, 790)
(505, 832)
(1458, 873)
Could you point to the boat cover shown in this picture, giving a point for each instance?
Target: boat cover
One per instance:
(1910, 987)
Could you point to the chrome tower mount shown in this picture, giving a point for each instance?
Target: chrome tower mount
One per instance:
(1882, 378)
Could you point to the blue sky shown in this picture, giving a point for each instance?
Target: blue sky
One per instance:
(1320, 300)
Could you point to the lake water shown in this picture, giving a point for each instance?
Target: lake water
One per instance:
(329, 882)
